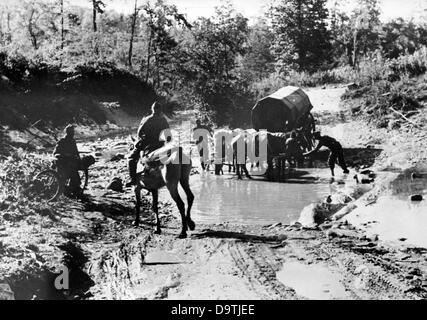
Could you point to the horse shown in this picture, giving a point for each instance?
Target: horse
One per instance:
(160, 172)
(240, 138)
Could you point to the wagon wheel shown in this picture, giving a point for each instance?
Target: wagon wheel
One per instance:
(47, 185)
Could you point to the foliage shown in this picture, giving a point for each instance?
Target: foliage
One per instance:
(211, 69)
(258, 61)
(301, 36)
(218, 65)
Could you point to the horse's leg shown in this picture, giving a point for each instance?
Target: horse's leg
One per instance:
(245, 170)
(155, 208)
(238, 172)
(185, 184)
(137, 191)
(173, 190)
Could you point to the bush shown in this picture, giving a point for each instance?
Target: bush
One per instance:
(411, 65)
(38, 89)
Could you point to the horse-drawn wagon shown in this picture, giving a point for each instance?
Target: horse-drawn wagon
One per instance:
(280, 113)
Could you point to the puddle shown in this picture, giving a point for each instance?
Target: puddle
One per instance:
(312, 281)
(394, 216)
(222, 199)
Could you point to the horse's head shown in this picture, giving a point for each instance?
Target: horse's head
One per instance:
(300, 138)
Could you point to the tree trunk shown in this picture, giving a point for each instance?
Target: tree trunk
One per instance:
(300, 41)
(9, 32)
(1, 28)
(31, 31)
(94, 15)
(147, 73)
(62, 24)
(132, 34)
(355, 49)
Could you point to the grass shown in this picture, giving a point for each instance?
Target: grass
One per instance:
(380, 85)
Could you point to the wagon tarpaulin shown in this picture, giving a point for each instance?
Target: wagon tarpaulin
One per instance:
(287, 104)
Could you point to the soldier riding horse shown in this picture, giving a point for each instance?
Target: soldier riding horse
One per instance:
(165, 166)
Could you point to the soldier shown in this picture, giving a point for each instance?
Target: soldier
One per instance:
(149, 132)
(68, 161)
(335, 148)
(199, 141)
(293, 150)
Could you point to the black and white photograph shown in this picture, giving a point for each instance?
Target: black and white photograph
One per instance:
(200, 151)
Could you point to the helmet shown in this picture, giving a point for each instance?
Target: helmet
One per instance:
(68, 129)
(156, 107)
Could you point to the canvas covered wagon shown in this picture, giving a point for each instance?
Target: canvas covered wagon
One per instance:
(281, 112)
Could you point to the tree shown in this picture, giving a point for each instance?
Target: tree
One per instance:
(400, 36)
(160, 19)
(97, 7)
(210, 66)
(366, 28)
(36, 22)
(132, 32)
(258, 61)
(341, 35)
(301, 36)
(356, 33)
(61, 3)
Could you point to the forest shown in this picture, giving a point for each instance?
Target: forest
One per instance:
(218, 65)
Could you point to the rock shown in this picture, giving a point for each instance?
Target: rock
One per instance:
(393, 124)
(297, 225)
(416, 197)
(44, 212)
(352, 86)
(344, 211)
(415, 272)
(326, 226)
(402, 239)
(7, 216)
(361, 269)
(331, 234)
(281, 237)
(117, 157)
(373, 238)
(116, 185)
(33, 247)
(275, 225)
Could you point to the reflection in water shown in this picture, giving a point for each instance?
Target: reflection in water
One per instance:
(394, 216)
(223, 199)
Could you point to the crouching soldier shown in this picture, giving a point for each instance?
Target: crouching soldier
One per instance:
(335, 148)
(149, 132)
(293, 151)
(68, 162)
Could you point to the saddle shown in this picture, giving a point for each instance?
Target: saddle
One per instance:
(151, 164)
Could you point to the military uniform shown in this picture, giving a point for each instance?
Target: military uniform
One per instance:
(199, 143)
(293, 150)
(336, 152)
(68, 161)
(149, 132)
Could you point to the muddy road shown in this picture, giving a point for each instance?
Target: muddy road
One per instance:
(247, 257)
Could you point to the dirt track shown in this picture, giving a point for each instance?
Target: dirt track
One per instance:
(114, 260)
